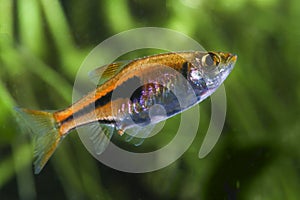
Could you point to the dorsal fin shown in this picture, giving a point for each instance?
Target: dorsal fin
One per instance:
(101, 74)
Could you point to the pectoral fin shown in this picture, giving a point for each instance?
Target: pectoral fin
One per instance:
(137, 135)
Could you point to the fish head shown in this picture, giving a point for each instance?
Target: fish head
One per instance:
(210, 69)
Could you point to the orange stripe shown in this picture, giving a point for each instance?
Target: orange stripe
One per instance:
(135, 68)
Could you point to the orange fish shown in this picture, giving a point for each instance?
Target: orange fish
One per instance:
(152, 79)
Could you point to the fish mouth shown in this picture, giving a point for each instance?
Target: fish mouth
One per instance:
(232, 59)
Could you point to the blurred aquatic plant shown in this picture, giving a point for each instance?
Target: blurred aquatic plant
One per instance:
(42, 44)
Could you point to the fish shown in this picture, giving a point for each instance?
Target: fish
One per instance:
(125, 94)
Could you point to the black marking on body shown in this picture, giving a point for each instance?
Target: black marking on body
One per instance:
(107, 121)
(184, 69)
(121, 91)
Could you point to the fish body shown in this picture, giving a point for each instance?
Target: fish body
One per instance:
(126, 94)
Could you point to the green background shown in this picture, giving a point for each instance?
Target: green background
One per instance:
(43, 43)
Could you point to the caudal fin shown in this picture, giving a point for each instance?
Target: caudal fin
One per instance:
(45, 134)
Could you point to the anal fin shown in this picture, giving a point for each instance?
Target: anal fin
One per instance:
(100, 136)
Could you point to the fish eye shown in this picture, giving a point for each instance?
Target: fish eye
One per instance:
(208, 60)
(216, 58)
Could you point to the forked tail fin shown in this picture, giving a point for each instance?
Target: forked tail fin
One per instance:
(45, 133)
